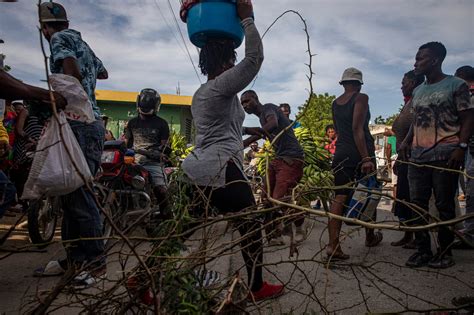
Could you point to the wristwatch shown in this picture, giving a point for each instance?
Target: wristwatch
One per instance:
(463, 145)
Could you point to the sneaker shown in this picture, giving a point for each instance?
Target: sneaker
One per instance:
(419, 259)
(441, 262)
(207, 278)
(267, 291)
(52, 269)
(87, 278)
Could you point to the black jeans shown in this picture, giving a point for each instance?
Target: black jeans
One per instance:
(402, 211)
(424, 181)
(235, 197)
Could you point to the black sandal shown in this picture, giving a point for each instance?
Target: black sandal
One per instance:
(378, 237)
(336, 257)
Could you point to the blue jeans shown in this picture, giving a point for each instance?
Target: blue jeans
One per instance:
(7, 193)
(81, 218)
(444, 184)
(156, 171)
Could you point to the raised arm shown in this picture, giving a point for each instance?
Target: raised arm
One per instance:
(239, 77)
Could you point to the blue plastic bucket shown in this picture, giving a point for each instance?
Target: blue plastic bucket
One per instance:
(214, 19)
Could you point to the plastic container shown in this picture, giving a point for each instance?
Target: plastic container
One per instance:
(214, 19)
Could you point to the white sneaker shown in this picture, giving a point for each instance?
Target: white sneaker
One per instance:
(53, 268)
(86, 279)
(207, 278)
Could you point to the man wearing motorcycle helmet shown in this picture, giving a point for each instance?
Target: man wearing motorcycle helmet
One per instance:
(148, 135)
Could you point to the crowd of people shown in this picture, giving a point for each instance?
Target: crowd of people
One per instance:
(432, 137)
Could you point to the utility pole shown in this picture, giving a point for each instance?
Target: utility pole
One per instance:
(178, 89)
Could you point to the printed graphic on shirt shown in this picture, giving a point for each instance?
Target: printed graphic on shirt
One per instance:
(436, 108)
(146, 135)
(68, 43)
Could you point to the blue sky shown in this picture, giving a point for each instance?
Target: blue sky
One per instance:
(139, 43)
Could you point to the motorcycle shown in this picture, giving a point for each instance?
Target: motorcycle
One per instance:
(129, 187)
(123, 188)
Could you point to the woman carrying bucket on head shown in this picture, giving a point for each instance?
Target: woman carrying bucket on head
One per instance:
(216, 164)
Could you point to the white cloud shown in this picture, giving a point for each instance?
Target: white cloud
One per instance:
(141, 47)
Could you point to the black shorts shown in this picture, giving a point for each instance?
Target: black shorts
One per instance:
(346, 172)
(235, 196)
(343, 177)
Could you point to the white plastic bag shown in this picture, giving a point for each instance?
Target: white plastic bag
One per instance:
(78, 104)
(52, 172)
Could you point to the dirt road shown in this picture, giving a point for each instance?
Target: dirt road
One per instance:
(374, 280)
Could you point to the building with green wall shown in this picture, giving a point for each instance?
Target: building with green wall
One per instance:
(120, 107)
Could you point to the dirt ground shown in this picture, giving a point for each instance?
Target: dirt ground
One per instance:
(374, 280)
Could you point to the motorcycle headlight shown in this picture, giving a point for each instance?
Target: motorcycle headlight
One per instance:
(138, 182)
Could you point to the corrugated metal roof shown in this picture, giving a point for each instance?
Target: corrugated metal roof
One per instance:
(131, 97)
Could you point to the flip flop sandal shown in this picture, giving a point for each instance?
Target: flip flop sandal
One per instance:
(337, 257)
(378, 237)
(52, 269)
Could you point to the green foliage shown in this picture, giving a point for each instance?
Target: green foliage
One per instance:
(317, 168)
(379, 120)
(179, 147)
(175, 278)
(316, 113)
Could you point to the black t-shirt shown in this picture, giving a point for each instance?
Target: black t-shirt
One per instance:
(287, 145)
(146, 134)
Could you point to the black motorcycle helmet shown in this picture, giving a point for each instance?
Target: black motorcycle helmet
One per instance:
(148, 102)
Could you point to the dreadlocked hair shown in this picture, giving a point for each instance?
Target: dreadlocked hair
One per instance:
(215, 55)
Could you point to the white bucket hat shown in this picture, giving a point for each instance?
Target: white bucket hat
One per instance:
(352, 74)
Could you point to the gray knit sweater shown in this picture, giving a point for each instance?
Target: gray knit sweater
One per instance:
(218, 116)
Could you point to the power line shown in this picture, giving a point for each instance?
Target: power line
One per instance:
(169, 27)
(184, 41)
(180, 2)
(176, 38)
